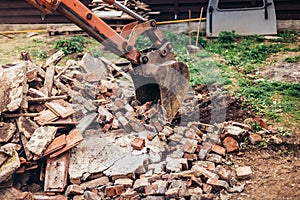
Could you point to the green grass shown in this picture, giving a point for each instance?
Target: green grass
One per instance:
(293, 59)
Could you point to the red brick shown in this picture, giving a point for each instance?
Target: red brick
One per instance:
(138, 143)
(190, 146)
(255, 138)
(110, 191)
(190, 157)
(151, 189)
(73, 139)
(119, 189)
(219, 150)
(230, 144)
(222, 172)
(58, 143)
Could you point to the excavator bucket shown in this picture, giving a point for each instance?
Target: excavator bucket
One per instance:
(167, 83)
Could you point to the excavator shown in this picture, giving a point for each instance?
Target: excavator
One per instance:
(156, 74)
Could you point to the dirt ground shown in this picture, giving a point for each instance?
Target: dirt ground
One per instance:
(280, 70)
(276, 169)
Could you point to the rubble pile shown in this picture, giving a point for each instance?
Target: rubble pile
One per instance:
(77, 132)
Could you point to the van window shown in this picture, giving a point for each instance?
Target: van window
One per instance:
(235, 4)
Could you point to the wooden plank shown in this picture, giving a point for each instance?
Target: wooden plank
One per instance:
(60, 108)
(48, 84)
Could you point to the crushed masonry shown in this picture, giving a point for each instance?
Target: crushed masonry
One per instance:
(82, 135)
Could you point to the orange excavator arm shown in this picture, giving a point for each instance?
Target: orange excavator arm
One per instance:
(83, 17)
(155, 72)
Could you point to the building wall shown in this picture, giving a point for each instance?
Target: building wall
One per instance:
(20, 12)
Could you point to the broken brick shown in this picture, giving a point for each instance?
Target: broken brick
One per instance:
(60, 108)
(94, 183)
(243, 172)
(223, 173)
(190, 157)
(138, 143)
(58, 143)
(111, 191)
(190, 146)
(230, 144)
(219, 150)
(255, 138)
(73, 139)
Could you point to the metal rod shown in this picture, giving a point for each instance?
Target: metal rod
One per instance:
(199, 27)
(123, 8)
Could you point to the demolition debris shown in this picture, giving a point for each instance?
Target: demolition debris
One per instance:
(73, 132)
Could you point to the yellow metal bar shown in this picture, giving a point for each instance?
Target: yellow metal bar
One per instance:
(180, 21)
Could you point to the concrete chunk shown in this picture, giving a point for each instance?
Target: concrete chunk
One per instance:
(9, 166)
(12, 87)
(7, 130)
(40, 139)
(243, 172)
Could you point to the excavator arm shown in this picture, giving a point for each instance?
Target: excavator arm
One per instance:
(156, 73)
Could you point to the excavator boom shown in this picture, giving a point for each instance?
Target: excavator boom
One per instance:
(156, 73)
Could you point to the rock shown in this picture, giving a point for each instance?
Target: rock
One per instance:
(94, 183)
(175, 193)
(9, 166)
(138, 143)
(192, 49)
(243, 172)
(40, 139)
(230, 144)
(219, 150)
(255, 138)
(7, 130)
